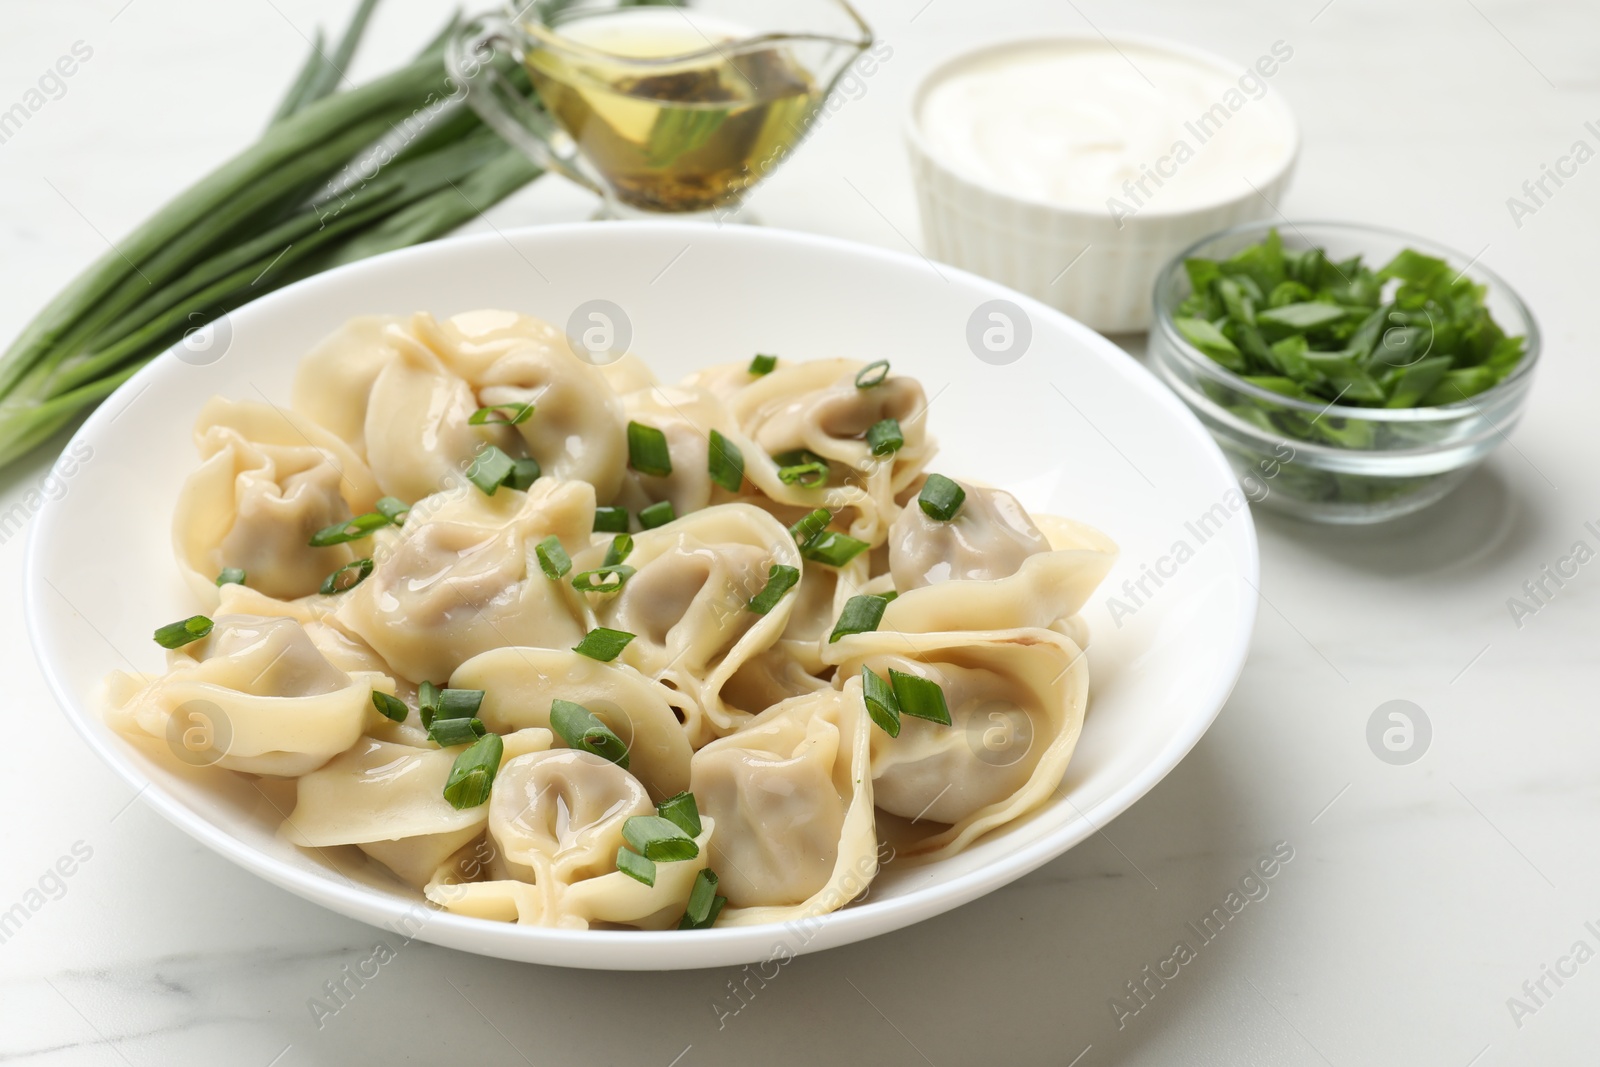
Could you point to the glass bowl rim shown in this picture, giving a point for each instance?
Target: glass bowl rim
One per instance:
(1472, 405)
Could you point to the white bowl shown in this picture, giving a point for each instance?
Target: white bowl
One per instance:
(1122, 454)
(1095, 266)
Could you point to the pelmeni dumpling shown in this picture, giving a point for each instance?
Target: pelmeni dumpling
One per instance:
(1016, 700)
(792, 794)
(270, 479)
(687, 604)
(556, 819)
(686, 418)
(389, 800)
(461, 577)
(817, 406)
(255, 695)
(334, 380)
(519, 685)
(992, 567)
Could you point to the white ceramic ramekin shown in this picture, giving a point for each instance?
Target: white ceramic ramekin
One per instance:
(1097, 268)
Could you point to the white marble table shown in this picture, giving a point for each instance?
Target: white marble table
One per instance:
(1420, 898)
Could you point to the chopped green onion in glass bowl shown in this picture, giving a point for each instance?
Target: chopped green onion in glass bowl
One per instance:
(1351, 374)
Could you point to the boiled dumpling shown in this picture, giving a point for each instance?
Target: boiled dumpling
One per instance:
(461, 577)
(270, 479)
(792, 795)
(686, 418)
(255, 695)
(1016, 701)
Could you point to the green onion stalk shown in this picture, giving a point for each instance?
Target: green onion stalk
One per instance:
(338, 175)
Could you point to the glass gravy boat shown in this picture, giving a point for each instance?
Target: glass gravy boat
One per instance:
(658, 108)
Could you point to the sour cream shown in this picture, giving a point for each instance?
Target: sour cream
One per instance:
(1089, 125)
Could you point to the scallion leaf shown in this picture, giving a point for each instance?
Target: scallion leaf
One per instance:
(501, 415)
(882, 706)
(811, 525)
(657, 514)
(658, 839)
(620, 549)
(683, 812)
(763, 365)
(391, 706)
(553, 558)
(230, 576)
(524, 472)
(427, 702)
(860, 614)
(346, 578)
(704, 903)
(647, 450)
(603, 579)
(447, 733)
(921, 697)
(940, 498)
(802, 467)
(780, 579)
(354, 530)
(610, 520)
(178, 634)
(725, 462)
(636, 866)
(490, 469)
(472, 775)
(436, 704)
(872, 374)
(833, 548)
(885, 438)
(393, 508)
(580, 728)
(603, 644)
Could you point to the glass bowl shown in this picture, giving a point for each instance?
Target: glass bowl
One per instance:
(1339, 463)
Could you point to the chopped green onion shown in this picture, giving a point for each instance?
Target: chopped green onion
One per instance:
(810, 526)
(657, 514)
(392, 707)
(473, 773)
(610, 520)
(346, 578)
(881, 703)
(580, 728)
(885, 437)
(603, 579)
(178, 634)
(833, 548)
(647, 450)
(354, 530)
(501, 415)
(704, 904)
(436, 704)
(941, 498)
(872, 374)
(490, 469)
(681, 811)
(780, 579)
(620, 549)
(447, 733)
(763, 365)
(393, 508)
(636, 866)
(725, 462)
(524, 472)
(603, 644)
(802, 467)
(659, 839)
(230, 576)
(886, 596)
(553, 559)
(921, 697)
(860, 614)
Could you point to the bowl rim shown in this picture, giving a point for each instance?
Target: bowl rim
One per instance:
(1215, 60)
(699, 948)
(1162, 321)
